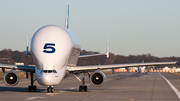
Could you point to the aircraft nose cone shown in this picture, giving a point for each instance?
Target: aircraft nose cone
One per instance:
(47, 79)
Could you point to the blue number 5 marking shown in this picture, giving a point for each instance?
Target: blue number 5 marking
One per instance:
(48, 48)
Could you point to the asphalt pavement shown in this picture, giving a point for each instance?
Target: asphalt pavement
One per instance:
(117, 87)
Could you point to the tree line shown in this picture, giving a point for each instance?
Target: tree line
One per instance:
(7, 56)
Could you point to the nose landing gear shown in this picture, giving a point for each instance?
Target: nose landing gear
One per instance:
(50, 89)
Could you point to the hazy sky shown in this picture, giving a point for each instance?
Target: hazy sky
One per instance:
(134, 26)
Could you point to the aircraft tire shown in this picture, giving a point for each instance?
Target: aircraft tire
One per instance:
(80, 88)
(85, 88)
(52, 90)
(48, 90)
(34, 88)
(29, 88)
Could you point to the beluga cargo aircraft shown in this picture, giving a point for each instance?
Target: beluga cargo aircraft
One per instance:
(56, 51)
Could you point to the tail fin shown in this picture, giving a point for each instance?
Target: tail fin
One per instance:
(67, 18)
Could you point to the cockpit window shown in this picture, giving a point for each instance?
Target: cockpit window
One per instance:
(45, 71)
(49, 71)
(54, 71)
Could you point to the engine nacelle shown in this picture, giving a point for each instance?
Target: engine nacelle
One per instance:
(97, 78)
(11, 78)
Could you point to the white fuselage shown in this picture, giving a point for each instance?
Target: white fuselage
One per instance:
(54, 48)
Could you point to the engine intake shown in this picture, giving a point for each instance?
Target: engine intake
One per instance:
(11, 78)
(97, 78)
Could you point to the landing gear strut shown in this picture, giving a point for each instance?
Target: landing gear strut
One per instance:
(32, 86)
(82, 87)
(50, 89)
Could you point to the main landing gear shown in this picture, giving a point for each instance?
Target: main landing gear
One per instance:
(32, 87)
(50, 89)
(82, 87)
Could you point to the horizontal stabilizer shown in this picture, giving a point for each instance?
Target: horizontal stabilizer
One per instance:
(27, 49)
(90, 55)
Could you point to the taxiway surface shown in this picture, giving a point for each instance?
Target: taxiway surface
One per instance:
(118, 87)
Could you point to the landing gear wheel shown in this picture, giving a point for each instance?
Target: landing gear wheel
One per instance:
(29, 88)
(80, 88)
(83, 88)
(50, 89)
(34, 88)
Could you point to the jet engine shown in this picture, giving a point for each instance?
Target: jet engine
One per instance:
(11, 78)
(97, 78)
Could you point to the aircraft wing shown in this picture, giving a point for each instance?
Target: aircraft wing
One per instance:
(18, 67)
(111, 66)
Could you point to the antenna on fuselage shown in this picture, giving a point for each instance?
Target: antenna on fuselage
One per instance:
(67, 18)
